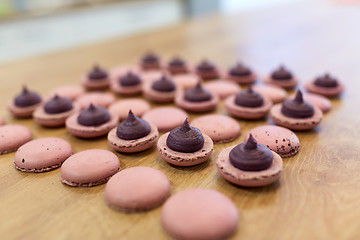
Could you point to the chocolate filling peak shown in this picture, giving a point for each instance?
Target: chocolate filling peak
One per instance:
(281, 74)
(240, 70)
(326, 81)
(164, 84)
(206, 66)
(177, 62)
(251, 156)
(185, 138)
(197, 94)
(249, 98)
(97, 73)
(93, 116)
(58, 105)
(150, 58)
(27, 98)
(297, 107)
(133, 128)
(129, 79)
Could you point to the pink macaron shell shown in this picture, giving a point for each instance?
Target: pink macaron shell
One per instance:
(327, 92)
(42, 154)
(272, 92)
(22, 112)
(165, 118)
(68, 91)
(247, 112)
(2, 121)
(120, 71)
(89, 168)
(157, 96)
(319, 101)
(197, 107)
(278, 139)
(220, 128)
(150, 76)
(199, 214)
(222, 88)
(286, 84)
(126, 90)
(100, 84)
(96, 98)
(53, 120)
(186, 81)
(248, 178)
(12, 136)
(121, 108)
(137, 189)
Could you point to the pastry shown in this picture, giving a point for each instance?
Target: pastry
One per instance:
(68, 91)
(273, 93)
(121, 108)
(222, 88)
(185, 80)
(177, 66)
(162, 90)
(282, 77)
(150, 61)
(25, 103)
(12, 136)
(128, 84)
(241, 74)
(325, 85)
(207, 70)
(165, 118)
(97, 79)
(96, 98)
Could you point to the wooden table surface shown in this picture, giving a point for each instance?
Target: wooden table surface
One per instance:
(318, 196)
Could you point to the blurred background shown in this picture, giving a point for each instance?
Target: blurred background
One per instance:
(32, 27)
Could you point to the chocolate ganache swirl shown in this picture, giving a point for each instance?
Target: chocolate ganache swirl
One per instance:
(133, 128)
(282, 74)
(240, 70)
(297, 107)
(129, 79)
(93, 116)
(164, 84)
(197, 94)
(58, 105)
(97, 73)
(326, 81)
(249, 98)
(27, 98)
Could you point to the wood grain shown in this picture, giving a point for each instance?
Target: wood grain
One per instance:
(318, 194)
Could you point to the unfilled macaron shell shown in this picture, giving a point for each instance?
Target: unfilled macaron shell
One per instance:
(89, 168)
(137, 189)
(96, 98)
(201, 214)
(274, 93)
(219, 128)
(222, 88)
(42, 154)
(319, 101)
(121, 108)
(165, 118)
(69, 91)
(2, 121)
(12, 136)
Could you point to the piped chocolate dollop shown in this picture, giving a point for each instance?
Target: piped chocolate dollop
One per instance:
(130, 79)
(251, 156)
(281, 74)
(326, 81)
(27, 98)
(164, 84)
(240, 70)
(206, 66)
(58, 105)
(150, 59)
(97, 73)
(133, 128)
(185, 138)
(297, 107)
(249, 98)
(197, 94)
(177, 62)
(93, 116)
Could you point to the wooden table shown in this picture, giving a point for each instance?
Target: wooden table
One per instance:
(318, 196)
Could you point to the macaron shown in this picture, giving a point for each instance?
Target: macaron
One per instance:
(222, 88)
(2, 121)
(89, 168)
(24, 104)
(133, 135)
(249, 164)
(207, 70)
(323, 103)
(186, 80)
(185, 146)
(296, 114)
(241, 74)
(96, 98)
(127, 85)
(94, 121)
(42, 154)
(177, 66)
(248, 104)
(121, 108)
(121, 70)
(198, 213)
(150, 76)
(165, 118)
(282, 77)
(55, 112)
(96, 79)
(162, 90)
(137, 189)
(278, 139)
(220, 128)
(197, 99)
(12, 136)
(71, 91)
(272, 92)
(150, 61)
(325, 85)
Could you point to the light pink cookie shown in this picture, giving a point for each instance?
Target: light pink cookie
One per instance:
(222, 88)
(248, 178)
(12, 136)
(89, 168)
(137, 189)
(186, 81)
(2, 121)
(220, 128)
(42, 154)
(96, 98)
(274, 93)
(69, 91)
(165, 118)
(151, 75)
(319, 101)
(121, 108)
(119, 71)
(278, 139)
(202, 214)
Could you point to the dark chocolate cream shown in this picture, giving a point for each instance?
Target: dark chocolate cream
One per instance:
(27, 98)
(282, 74)
(130, 79)
(249, 98)
(97, 73)
(133, 128)
(297, 107)
(150, 58)
(206, 66)
(164, 84)
(326, 81)
(197, 94)
(93, 116)
(251, 156)
(58, 105)
(185, 138)
(240, 70)
(177, 63)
